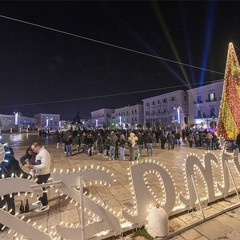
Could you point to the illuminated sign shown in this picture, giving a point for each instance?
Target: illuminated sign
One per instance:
(104, 221)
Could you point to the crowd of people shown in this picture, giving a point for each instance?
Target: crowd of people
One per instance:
(113, 144)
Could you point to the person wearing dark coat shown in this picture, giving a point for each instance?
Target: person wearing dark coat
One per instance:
(8, 167)
(11, 165)
(28, 158)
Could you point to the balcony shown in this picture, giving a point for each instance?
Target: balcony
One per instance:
(211, 100)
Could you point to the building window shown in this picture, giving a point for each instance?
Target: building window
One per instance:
(153, 103)
(185, 98)
(211, 97)
(172, 99)
(164, 100)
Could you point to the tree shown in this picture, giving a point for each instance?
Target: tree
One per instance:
(229, 113)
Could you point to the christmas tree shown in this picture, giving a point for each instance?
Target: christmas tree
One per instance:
(229, 112)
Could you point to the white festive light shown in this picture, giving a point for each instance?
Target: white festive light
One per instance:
(142, 191)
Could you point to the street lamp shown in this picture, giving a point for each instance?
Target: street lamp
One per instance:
(16, 115)
(47, 122)
(178, 115)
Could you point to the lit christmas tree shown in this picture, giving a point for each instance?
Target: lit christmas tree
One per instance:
(229, 112)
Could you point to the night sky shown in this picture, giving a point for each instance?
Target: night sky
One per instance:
(44, 71)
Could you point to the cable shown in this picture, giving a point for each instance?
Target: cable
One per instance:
(106, 96)
(236, 47)
(108, 44)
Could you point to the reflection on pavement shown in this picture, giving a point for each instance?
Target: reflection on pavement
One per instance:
(23, 139)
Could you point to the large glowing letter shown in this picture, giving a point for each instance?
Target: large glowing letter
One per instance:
(107, 220)
(206, 171)
(143, 196)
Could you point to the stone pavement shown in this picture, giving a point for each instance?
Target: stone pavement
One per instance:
(118, 195)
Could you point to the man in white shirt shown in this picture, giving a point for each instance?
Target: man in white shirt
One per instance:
(42, 170)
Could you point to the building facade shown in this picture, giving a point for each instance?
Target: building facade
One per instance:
(166, 110)
(7, 122)
(47, 121)
(102, 117)
(129, 116)
(26, 124)
(17, 123)
(204, 103)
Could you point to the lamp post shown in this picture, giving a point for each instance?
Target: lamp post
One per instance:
(16, 120)
(178, 115)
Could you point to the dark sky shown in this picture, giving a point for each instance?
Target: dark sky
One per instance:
(52, 72)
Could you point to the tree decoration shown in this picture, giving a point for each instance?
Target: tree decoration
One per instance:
(229, 114)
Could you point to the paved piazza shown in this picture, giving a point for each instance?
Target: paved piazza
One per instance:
(118, 195)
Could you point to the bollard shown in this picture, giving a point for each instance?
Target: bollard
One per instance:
(158, 223)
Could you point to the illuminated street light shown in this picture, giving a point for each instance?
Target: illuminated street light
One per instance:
(17, 115)
(178, 115)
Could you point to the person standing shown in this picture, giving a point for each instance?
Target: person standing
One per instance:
(7, 199)
(214, 141)
(190, 139)
(68, 145)
(149, 143)
(42, 170)
(162, 139)
(113, 143)
(58, 135)
(100, 143)
(90, 144)
(238, 140)
(132, 139)
(78, 141)
(209, 138)
(139, 143)
(170, 139)
(196, 139)
(122, 143)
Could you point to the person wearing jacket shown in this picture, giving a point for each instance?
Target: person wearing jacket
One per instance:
(28, 158)
(122, 144)
(42, 169)
(132, 139)
(112, 143)
(148, 139)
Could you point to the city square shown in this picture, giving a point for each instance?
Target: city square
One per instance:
(118, 121)
(118, 195)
